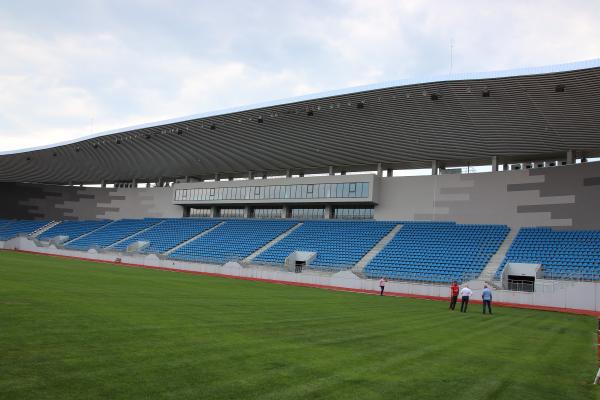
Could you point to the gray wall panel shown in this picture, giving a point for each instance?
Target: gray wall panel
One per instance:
(560, 196)
(27, 201)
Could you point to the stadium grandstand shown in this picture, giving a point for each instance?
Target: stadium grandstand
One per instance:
(314, 188)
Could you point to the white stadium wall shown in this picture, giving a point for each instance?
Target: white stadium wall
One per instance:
(562, 295)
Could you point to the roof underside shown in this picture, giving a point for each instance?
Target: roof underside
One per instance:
(524, 118)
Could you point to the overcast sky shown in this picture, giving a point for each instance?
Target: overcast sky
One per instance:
(69, 69)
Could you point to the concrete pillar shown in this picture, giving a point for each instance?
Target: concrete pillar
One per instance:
(328, 211)
(148, 185)
(217, 177)
(390, 172)
(247, 212)
(331, 172)
(103, 184)
(570, 157)
(134, 183)
(214, 212)
(187, 179)
(504, 167)
(495, 164)
(288, 173)
(379, 170)
(250, 175)
(265, 175)
(285, 211)
(434, 167)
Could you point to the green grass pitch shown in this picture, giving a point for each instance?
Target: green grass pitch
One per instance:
(73, 329)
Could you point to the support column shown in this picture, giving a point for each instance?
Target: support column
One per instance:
(250, 175)
(187, 179)
(379, 170)
(160, 182)
(285, 211)
(301, 174)
(103, 184)
(504, 167)
(148, 185)
(265, 175)
(331, 172)
(328, 211)
(230, 178)
(217, 177)
(390, 172)
(288, 173)
(134, 183)
(570, 157)
(247, 212)
(495, 164)
(434, 167)
(214, 212)
(343, 173)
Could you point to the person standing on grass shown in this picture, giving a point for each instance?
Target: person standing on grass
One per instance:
(465, 294)
(486, 296)
(454, 289)
(382, 282)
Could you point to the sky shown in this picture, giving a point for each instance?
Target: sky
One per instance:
(72, 68)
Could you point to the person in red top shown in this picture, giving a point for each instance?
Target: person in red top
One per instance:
(453, 295)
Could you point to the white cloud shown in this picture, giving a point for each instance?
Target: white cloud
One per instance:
(60, 72)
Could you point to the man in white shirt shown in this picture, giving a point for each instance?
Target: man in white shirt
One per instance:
(465, 294)
(382, 282)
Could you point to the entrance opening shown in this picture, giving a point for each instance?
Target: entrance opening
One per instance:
(299, 266)
(521, 283)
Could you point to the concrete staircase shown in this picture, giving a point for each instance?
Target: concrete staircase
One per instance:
(271, 243)
(43, 229)
(362, 263)
(490, 269)
(180, 245)
(137, 233)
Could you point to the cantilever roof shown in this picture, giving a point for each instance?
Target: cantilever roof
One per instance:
(401, 124)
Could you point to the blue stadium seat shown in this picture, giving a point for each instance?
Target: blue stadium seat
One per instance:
(20, 227)
(338, 244)
(168, 234)
(72, 229)
(438, 252)
(562, 254)
(234, 240)
(111, 233)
